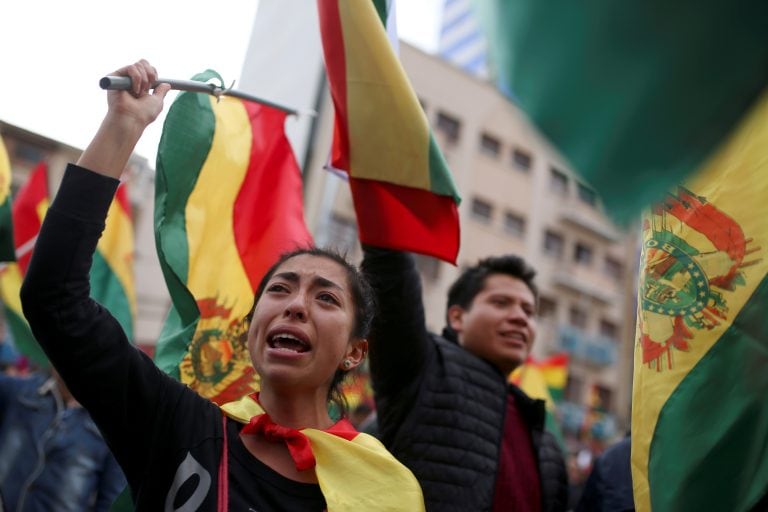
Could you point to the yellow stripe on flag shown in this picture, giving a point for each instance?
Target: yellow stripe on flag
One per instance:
(116, 247)
(378, 89)
(5, 173)
(10, 286)
(532, 380)
(734, 181)
(42, 208)
(212, 246)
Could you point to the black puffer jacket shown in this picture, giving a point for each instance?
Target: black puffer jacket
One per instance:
(440, 408)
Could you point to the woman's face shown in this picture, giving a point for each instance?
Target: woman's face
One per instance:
(301, 328)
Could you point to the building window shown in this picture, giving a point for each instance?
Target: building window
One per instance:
(582, 254)
(514, 224)
(587, 195)
(547, 307)
(342, 234)
(558, 182)
(449, 126)
(573, 388)
(482, 210)
(553, 244)
(613, 268)
(577, 317)
(428, 267)
(28, 152)
(522, 159)
(489, 145)
(609, 329)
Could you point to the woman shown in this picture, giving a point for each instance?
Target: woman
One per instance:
(178, 450)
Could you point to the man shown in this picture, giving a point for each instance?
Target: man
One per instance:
(609, 486)
(445, 408)
(53, 456)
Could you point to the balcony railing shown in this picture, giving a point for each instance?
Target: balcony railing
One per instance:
(578, 418)
(598, 350)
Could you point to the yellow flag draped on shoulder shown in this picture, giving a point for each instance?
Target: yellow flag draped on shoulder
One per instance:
(355, 472)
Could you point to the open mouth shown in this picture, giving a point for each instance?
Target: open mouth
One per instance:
(287, 342)
(514, 335)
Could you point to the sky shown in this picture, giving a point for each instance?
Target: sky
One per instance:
(54, 53)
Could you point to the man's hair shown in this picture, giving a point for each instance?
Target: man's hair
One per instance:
(472, 281)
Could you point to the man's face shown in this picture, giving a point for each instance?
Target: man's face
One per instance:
(500, 323)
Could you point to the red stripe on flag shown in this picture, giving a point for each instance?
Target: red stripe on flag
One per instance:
(556, 360)
(268, 213)
(122, 199)
(333, 49)
(425, 222)
(26, 218)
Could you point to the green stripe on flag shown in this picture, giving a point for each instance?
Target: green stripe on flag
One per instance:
(7, 251)
(382, 9)
(440, 179)
(635, 94)
(107, 290)
(190, 118)
(711, 432)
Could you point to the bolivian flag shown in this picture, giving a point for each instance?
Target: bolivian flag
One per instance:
(403, 193)
(635, 94)
(700, 405)
(29, 208)
(544, 379)
(6, 225)
(111, 276)
(112, 280)
(228, 201)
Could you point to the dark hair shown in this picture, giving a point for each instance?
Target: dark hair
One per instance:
(472, 281)
(362, 297)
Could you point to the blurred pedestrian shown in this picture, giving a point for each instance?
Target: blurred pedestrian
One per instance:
(53, 456)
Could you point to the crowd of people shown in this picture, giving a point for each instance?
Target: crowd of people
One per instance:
(449, 432)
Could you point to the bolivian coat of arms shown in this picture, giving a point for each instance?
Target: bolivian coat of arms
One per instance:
(693, 252)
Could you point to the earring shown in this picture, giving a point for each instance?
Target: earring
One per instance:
(347, 364)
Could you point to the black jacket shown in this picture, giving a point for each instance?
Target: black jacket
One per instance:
(609, 486)
(440, 408)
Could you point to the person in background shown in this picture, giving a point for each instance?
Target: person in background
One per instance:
(364, 418)
(444, 404)
(609, 485)
(53, 456)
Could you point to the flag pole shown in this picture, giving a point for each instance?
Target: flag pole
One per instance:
(123, 83)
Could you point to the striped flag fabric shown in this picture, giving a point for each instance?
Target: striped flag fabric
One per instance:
(636, 96)
(403, 192)
(700, 399)
(112, 279)
(29, 208)
(543, 378)
(6, 224)
(228, 202)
